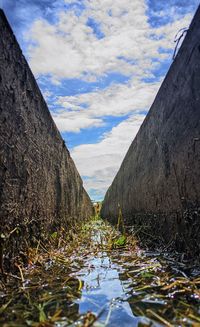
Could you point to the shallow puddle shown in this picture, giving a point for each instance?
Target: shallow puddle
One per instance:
(104, 293)
(104, 282)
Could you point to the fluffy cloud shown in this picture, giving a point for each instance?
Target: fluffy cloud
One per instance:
(87, 110)
(99, 162)
(72, 49)
(74, 122)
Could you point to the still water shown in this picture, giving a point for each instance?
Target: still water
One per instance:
(101, 281)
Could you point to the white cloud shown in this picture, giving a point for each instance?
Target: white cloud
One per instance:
(70, 49)
(47, 94)
(116, 100)
(73, 122)
(100, 161)
(86, 110)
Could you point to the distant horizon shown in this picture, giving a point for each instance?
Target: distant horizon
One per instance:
(99, 66)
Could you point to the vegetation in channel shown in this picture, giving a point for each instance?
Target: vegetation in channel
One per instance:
(48, 291)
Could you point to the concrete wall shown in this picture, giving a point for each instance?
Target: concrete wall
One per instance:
(40, 187)
(158, 183)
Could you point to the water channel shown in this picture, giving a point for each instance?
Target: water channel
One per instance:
(103, 283)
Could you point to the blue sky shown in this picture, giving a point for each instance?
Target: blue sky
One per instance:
(99, 64)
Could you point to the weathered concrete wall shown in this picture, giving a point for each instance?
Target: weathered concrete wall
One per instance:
(40, 187)
(158, 183)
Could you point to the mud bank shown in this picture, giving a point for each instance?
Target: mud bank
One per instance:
(40, 187)
(158, 183)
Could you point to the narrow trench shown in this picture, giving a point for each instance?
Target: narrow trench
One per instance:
(99, 277)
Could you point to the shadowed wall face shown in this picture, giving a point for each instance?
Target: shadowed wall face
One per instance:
(158, 184)
(40, 188)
